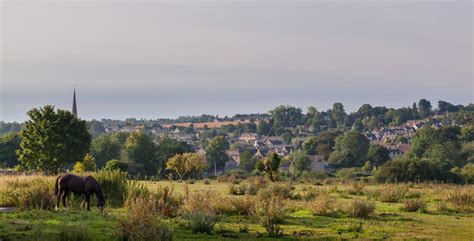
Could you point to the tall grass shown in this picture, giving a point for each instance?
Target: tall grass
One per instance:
(27, 192)
(461, 198)
(114, 184)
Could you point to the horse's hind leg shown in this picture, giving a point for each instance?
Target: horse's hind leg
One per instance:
(88, 201)
(65, 192)
(58, 197)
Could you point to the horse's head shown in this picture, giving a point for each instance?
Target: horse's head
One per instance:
(101, 202)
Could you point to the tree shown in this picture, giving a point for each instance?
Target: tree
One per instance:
(247, 161)
(358, 126)
(86, 165)
(285, 116)
(300, 161)
(52, 139)
(314, 120)
(168, 148)
(321, 145)
(338, 114)
(142, 151)
(9, 144)
(378, 155)
(215, 152)
(105, 148)
(446, 107)
(270, 165)
(424, 108)
(353, 146)
(116, 164)
(186, 163)
(95, 128)
(264, 128)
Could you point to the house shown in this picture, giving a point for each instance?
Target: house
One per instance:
(248, 138)
(234, 156)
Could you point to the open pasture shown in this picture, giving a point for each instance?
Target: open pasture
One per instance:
(328, 211)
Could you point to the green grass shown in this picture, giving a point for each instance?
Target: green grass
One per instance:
(389, 221)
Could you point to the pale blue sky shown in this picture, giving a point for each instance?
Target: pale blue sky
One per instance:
(151, 59)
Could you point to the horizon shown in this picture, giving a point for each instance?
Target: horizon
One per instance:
(150, 60)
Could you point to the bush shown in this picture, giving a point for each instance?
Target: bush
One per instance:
(356, 188)
(166, 202)
(200, 211)
(361, 208)
(306, 194)
(413, 205)
(461, 198)
(324, 205)
(242, 205)
(207, 181)
(114, 186)
(270, 212)
(276, 190)
(349, 173)
(116, 164)
(392, 194)
(141, 222)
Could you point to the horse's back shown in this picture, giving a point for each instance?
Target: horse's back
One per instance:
(72, 183)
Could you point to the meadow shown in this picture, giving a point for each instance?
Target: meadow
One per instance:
(252, 209)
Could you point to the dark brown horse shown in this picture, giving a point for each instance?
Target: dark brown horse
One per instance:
(80, 185)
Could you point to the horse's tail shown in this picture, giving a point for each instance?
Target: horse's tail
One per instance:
(56, 186)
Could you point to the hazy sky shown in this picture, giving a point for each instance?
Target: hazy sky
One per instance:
(150, 59)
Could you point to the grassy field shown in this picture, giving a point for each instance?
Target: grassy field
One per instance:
(389, 221)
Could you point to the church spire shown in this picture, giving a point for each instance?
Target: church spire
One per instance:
(74, 106)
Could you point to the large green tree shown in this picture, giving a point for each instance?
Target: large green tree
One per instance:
(105, 148)
(378, 155)
(424, 108)
(52, 139)
(95, 128)
(321, 145)
(338, 114)
(352, 143)
(285, 116)
(142, 151)
(9, 144)
(168, 148)
(215, 152)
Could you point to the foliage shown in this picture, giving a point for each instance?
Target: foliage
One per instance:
(186, 163)
(413, 205)
(462, 198)
(141, 223)
(360, 208)
(350, 150)
(300, 161)
(270, 213)
(270, 165)
(424, 108)
(215, 152)
(113, 184)
(9, 143)
(200, 211)
(168, 148)
(285, 116)
(116, 164)
(86, 165)
(105, 148)
(392, 194)
(95, 128)
(52, 139)
(378, 155)
(282, 191)
(27, 192)
(141, 150)
(247, 161)
(324, 205)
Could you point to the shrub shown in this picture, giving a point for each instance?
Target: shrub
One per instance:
(324, 205)
(166, 203)
(356, 188)
(461, 198)
(361, 208)
(413, 205)
(114, 186)
(276, 190)
(116, 164)
(270, 212)
(207, 181)
(306, 194)
(200, 211)
(392, 194)
(242, 205)
(141, 223)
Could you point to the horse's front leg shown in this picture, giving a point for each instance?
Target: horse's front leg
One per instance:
(88, 201)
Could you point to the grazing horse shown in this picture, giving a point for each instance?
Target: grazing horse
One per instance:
(80, 185)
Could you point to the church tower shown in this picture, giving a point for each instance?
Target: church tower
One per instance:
(74, 106)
